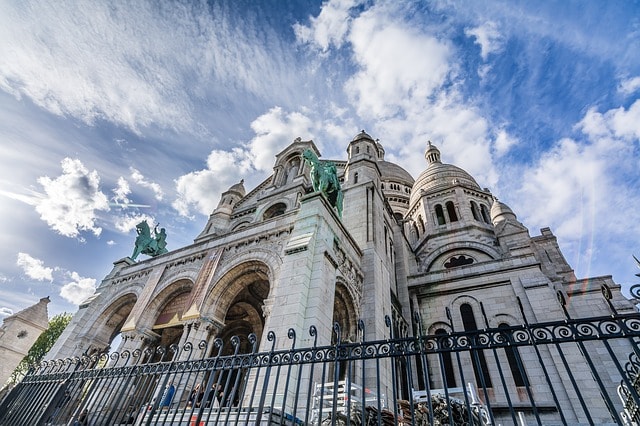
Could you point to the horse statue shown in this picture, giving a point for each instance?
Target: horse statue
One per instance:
(324, 179)
(151, 245)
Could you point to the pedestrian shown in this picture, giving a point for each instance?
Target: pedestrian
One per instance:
(83, 419)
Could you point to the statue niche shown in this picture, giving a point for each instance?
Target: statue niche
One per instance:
(151, 245)
(324, 179)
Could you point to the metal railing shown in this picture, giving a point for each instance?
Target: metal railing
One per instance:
(574, 371)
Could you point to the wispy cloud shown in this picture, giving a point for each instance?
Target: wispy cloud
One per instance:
(148, 63)
(5, 312)
(488, 37)
(154, 187)
(330, 27)
(586, 187)
(629, 85)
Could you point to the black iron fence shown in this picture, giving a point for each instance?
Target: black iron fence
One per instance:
(575, 371)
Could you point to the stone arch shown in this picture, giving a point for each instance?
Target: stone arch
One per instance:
(503, 318)
(276, 209)
(162, 317)
(109, 323)
(478, 251)
(345, 312)
(237, 299)
(281, 203)
(431, 330)
(241, 225)
(160, 300)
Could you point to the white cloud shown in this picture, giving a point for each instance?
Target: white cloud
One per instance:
(140, 180)
(127, 223)
(78, 289)
(329, 27)
(5, 312)
(406, 83)
(140, 64)
(72, 199)
(586, 189)
(616, 123)
(111, 243)
(201, 189)
(487, 37)
(629, 86)
(121, 191)
(34, 268)
(503, 142)
(274, 130)
(400, 67)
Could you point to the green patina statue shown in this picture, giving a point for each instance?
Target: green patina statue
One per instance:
(324, 179)
(152, 245)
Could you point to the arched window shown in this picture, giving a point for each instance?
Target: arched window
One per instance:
(275, 210)
(357, 150)
(448, 374)
(440, 215)
(480, 368)
(451, 210)
(485, 213)
(515, 362)
(355, 177)
(474, 210)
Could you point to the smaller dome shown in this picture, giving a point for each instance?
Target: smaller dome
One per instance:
(392, 172)
(239, 188)
(501, 212)
(362, 135)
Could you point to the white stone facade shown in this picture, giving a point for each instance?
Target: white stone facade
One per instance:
(279, 257)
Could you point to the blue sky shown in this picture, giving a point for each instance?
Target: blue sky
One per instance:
(111, 112)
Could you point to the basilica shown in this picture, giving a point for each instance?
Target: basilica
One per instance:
(436, 254)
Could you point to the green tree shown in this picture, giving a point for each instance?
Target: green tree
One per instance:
(42, 345)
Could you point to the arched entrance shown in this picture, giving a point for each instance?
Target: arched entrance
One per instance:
(169, 307)
(239, 297)
(344, 314)
(106, 329)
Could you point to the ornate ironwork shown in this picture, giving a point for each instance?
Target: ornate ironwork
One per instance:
(316, 384)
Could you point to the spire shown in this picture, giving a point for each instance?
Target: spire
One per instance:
(432, 154)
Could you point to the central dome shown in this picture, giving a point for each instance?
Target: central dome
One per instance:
(439, 176)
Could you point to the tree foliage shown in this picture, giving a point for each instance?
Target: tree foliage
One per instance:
(42, 345)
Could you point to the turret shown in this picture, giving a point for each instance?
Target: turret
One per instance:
(219, 220)
(363, 155)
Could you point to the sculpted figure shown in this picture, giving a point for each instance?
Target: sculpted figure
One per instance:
(324, 179)
(148, 244)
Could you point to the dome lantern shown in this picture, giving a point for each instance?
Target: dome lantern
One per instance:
(432, 154)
